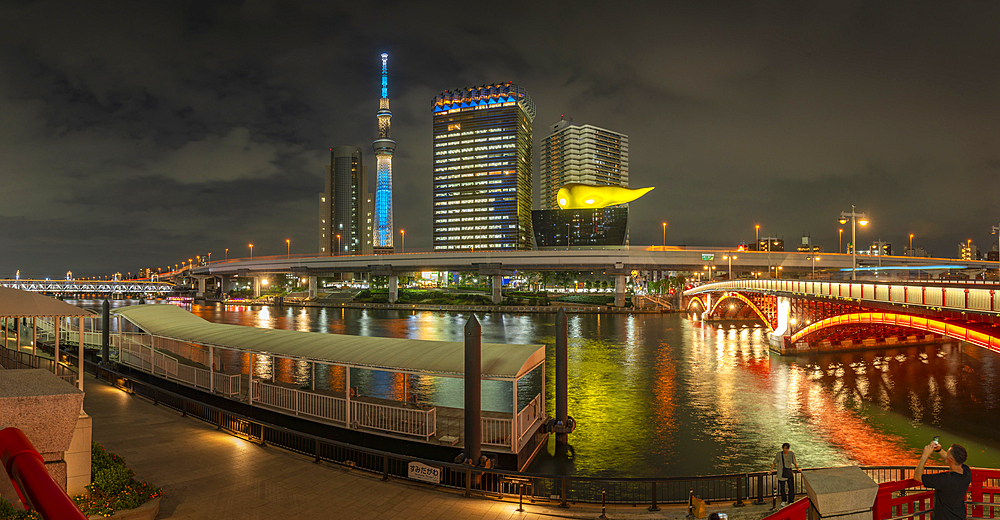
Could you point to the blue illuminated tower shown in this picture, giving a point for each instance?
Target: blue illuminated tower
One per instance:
(384, 146)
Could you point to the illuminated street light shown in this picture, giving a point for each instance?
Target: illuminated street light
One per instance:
(855, 218)
(730, 258)
(840, 240)
(338, 245)
(251, 251)
(911, 244)
(756, 235)
(402, 235)
(288, 243)
(664, 236)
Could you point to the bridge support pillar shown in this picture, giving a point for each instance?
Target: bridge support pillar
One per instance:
(778, 339)
(201, 287)
(393, 288)
(497, 286)
(707, 313)
(256, 286)
(224, 284)
(313, 286)
(619, 290)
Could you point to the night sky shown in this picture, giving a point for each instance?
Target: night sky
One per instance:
(142, 135)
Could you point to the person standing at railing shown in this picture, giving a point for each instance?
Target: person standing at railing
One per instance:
(949, 486)
(785, 459)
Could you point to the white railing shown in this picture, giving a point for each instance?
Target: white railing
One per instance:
(496, 432)
(527, 418)
(195, 353)
(405, 421)
(393, 419)
(157, 363)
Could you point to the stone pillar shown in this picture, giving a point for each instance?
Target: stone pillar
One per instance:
(201, 287)
(393, 288)
(497, 289)
(256, 286)
(708, 307)
(847, 493)
(779, 336)
(77, 457)
(619, 290)
(313, 286)
(225, 283)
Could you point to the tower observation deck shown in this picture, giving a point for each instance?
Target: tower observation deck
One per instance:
(384, 147)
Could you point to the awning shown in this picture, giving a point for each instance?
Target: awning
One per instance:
(445, 358)
(27, 304)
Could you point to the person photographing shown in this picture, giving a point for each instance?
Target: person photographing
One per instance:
(949, 486)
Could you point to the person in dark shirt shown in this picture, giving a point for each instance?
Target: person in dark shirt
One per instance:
(949, 486)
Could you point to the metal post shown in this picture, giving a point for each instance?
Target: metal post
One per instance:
(760, 490)
(347, 395)
(55, 353)
(34, 336)
(250, 381)
(473, 389)
(654, 507)
(211, 369)
(854, 245)
(312, 380)
(105, 332)
(739, 491)
(565, 493)
(604, 504)
(562, 373)
(79, 375)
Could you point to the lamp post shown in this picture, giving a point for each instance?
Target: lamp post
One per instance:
(840, 240)
(664, 236)
(210, 258)
(288, 243)
(567, 236)
(227, 254)
(814, 265)
(855, 218)
(338, 244)
(730, 258)
(251, 251)
(402, 240)
(756, 237)
(911, 245)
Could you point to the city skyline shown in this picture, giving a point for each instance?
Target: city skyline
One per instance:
(206, 129)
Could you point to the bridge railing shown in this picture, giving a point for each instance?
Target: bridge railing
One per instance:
(951, 298)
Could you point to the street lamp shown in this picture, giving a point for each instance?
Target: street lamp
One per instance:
(855, 218)
(664, 236)
(756, 236)
(210, 258)
(227, 254)
(814, 265)
(730, 258)
(402, 240)
(251, 251)
(911, 245)
(288, 243)
(840, 240)
(338, 244)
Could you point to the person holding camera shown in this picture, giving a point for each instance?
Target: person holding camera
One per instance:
(949, 486)
(786, 459)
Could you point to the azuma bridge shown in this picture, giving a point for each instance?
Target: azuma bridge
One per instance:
(807, 315)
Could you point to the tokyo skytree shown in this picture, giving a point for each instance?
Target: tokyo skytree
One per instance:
(384, 146)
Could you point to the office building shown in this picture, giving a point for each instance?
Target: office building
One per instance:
(342, 204)
(482, 168)
(585, 154)
(384, 147)
(969, 251)
(601, 228)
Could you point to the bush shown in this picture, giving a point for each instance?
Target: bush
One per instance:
(113, 487)
(7, 511)
(591, 299)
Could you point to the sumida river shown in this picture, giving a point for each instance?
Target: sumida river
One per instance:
(661, 395)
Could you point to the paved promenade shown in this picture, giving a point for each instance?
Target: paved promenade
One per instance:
(209, 474)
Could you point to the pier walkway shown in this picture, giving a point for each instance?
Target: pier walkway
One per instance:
(209, 474)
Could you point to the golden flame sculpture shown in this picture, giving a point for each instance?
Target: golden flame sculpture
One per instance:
(583, 196)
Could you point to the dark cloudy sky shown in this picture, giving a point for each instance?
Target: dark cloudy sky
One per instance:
(136, 135)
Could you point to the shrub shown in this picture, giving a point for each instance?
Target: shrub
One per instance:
(7, 511)
(113, 487)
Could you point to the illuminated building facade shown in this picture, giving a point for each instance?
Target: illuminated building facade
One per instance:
(586, 154)
(482, 168)
(600, 228)
(342, 204)
(384, 146)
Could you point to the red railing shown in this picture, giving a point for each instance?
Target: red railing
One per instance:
(31, 480)
(893, 502)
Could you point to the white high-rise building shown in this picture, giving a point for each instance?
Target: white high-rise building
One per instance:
(585, 154)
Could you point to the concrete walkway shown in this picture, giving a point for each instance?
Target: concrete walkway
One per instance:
(209, 474)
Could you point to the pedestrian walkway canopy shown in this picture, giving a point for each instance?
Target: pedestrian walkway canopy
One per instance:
(24, 304)
(442, 358)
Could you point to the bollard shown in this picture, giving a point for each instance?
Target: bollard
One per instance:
(520, 498)
(565, 493)
(654, 507)
(385, 468)
(604, 504)
(468, 483)
(317, 452)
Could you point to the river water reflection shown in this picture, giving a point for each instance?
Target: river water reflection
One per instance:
(661, 395)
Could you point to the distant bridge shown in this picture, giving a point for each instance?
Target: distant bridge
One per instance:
(113, 287)
(805, 315)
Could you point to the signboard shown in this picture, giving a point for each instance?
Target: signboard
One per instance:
(708, 257)
(425, 473)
